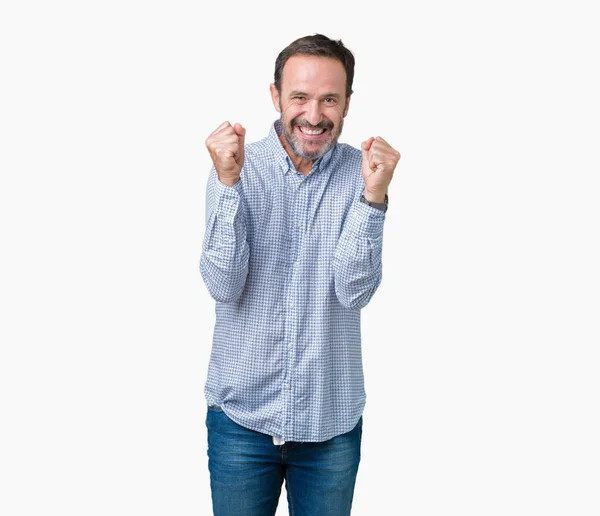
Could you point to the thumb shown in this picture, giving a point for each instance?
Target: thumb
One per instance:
(241, 132)
(365, 146)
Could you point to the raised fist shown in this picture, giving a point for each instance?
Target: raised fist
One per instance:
(379, 162)
(226, 147)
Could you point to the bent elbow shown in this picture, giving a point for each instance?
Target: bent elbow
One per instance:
(224, 288)
(222, 293)
(356, 304)
(355, 297)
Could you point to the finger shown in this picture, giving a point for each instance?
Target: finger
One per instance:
(241, 132)
(227, 138)
(214, 135)
(225, 135)
(223, 127)
(380, 161)
(365, 147)
(385, 150)
(381, 145)
(388, 164)
(374, 161)
(225, 152)
(222, 131)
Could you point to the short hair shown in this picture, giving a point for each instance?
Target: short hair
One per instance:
(317, 45)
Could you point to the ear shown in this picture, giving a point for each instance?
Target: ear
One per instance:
(347, 106)
(275, 97)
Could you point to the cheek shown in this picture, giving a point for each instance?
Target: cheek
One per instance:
(291, 111)
(336, 115)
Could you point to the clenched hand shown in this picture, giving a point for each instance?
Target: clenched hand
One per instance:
(226, 147)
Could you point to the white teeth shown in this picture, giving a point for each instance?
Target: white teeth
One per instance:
(312, 132)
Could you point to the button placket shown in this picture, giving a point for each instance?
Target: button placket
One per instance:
(300, 209)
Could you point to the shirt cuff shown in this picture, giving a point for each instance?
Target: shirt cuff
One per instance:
(228, 198)
(366, 220)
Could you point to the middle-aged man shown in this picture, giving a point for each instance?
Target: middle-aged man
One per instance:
(291, 254)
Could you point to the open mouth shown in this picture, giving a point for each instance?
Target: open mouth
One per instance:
(311, 134)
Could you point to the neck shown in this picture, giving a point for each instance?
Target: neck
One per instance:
(301, 164)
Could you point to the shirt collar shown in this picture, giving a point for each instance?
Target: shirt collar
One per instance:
(282, 157)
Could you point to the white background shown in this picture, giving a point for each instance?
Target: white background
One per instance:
(480, 347)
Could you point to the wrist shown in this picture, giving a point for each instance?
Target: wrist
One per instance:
(377, 197)
(229, 181)
(383, 206)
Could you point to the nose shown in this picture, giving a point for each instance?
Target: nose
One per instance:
(313, 112)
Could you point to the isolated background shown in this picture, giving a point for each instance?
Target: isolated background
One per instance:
(481, 345)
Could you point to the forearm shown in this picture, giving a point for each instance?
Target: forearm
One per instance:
(357, 262)
(225, 251)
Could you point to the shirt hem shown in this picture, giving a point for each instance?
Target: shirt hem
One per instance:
(270, 435)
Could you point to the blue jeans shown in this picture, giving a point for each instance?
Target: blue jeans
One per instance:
(247, 471)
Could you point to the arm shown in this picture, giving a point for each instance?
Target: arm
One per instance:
(225, 251)
(357, 259)
(357, 265)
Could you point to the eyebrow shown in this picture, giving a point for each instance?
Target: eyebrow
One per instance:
(334, 95)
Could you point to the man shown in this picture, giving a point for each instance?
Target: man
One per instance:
(291, 254)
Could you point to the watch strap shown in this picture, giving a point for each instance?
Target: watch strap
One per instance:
(383, 206)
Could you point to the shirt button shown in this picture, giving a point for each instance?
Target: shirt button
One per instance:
(287, 386)
(291, 305)
(289, 346)
(300, 225)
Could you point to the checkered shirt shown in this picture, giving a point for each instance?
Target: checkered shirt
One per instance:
(290, 261)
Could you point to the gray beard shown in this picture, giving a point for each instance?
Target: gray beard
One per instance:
(296, 146)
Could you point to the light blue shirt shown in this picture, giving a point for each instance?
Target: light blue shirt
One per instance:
(290, 261)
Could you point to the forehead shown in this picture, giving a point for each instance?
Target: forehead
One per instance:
(310, 73)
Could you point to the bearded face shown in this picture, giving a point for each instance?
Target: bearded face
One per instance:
(312, 104)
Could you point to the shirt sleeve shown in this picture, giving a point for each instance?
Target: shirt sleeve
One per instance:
(225, 251)
(357, 265)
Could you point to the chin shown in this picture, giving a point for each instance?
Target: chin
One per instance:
(301, 149)
(319, 153)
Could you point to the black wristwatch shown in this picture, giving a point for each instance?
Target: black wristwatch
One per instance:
(383, 206)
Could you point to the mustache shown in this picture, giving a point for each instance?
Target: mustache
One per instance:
(325, 124)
